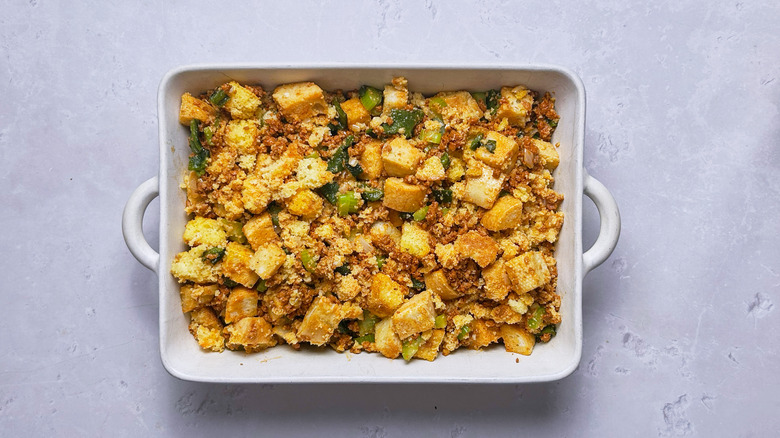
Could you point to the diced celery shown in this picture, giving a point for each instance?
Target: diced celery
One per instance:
(347, 203)
(366, 325)
(535, 320)
(445, 160)
(308, 260)
(219, 97)
(420, 214)
(440, 322)
(464, 332)
(410, 346)
(370, 97)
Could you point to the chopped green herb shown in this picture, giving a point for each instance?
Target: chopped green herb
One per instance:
(234, 230)
(479, 96)
(370, 97)
(440, 322)
(406, 216)
(476, 142)
(365, 338)
(329, 191)
(417, 284)
(491, 99)
(341, 119)
(355, 170)
(261, 286)
(273, 210)
(308, 261)
(420, 214)
(199, 159)
(344, 328)
(442, 196)
(340, 156)
(380, 261)
(490, 145)
(553, 123)
(445, 160)
(344, 269)
(403, 120)
(219, 97)
(208, 134)
(410, 346)
(228, 282)
(535, 320)
(372, 194)
(431, 135)
(464, 332)
(366, 325)
(213, 255)
(347, 203)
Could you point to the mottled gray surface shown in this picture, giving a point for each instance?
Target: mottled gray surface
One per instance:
(681, 323)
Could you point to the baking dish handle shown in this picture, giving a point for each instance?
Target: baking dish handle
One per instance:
(132, 223)
(610, 224)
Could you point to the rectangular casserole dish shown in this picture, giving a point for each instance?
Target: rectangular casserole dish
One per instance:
(183, 358)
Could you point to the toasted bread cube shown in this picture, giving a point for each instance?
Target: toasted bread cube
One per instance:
(300, 101)
(356, 114)
(497, 284)
(241, 135)
(415, 240)
(431, 170)
(190, 266)
(207, 329)
(320, 321)
(447, 255)
(241, 302)
(395, 95)
(243, 104)
(203, 231)
(252, 333)
(517, 340)
(193, 108)
(481, 249)
(237, 264)
(386, 341)
(255, 194)
(267, 260)
(506, 213)
(505, 154)
(313, 173)
(305, 204)
(385, 295)
(482, 333)
(457, 169)
(348, 288)
(403, 197)
(437, 282)
(548, 154)
(400, 158)
(260, 230)
(381, 229)
(484, 190)
(415, 316)
(516, 104)
(527, 271)
(430, 349)
(371, 160)
(460, 108)
(196, 295)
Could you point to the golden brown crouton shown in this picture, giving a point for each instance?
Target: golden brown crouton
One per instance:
(437, 282)
(260, 230)
(403, 197)
(243, 104)
(482, 334)
(236, 264)
(516, 104)
(196, 295)
(371, 160)
(305, 204)
(506, 213)
(320, 321)
(356, 113)
(497, 284)
(241, 302)
(460, 108)
(415, 240)
(431, 170)
(548, 154)
(400, 158)
(191, 266)
(484, 190)
(505, 154)
(203, 231)
(385, 295)
(517, 340)
(415, 316)
(206, 327)
(386, 340)
(430, 349)
(527, 271)
(481, 249)
(193, 108)
(300, 101)
(250, 333)
(267, 260)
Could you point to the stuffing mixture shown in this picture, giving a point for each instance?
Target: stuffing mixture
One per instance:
(376, 219)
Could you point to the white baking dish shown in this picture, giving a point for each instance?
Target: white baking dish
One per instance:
(181, 355)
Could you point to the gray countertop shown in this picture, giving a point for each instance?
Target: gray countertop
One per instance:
(681, 323)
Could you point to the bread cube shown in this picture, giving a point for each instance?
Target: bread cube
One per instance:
(348, 288)
(400, 158)
(497, 284)
(237, 264)
(255, 193)
(431, 170)
(484, 189)
(241, 302)
(371, 159)
(460, 108)
(305, 204)
(430, 349)
(267, 260)
(190, 266)
(457, 169)
(207, 329)
(482, 333)
(320, 321)
(385, 295)
(415, 316)
(241, 135)
(395, 95)
(516, 104)
(356, 114)
(313, 173)
(505, 154)
(481, 249)
(196, 295)
(193, 108)
(447, 255)
(527, 271)
(403, 197)
(415, 240)
(506, 213)
(548, 154)
(517, 340)
(243, 103)
(437, 282)
(386, 341)
(300, 101)
(203, 231)
(250, 333)
(260, 230)
(385, 229)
